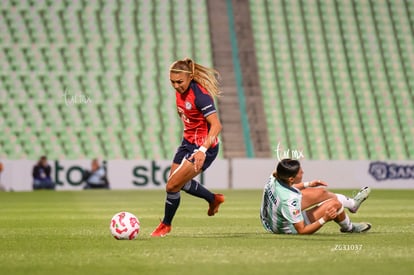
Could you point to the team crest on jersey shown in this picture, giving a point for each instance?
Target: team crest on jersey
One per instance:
(295, 212)
(188, 105)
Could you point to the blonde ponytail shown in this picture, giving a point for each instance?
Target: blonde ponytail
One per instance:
(206, 77)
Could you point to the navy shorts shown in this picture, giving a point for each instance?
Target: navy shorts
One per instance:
(186, 149)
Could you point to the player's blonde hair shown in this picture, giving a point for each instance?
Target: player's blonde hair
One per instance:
(206, 77)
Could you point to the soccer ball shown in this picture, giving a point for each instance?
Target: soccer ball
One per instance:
(124, 226)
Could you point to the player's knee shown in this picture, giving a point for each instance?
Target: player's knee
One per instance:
(336, 203)
(323, 192)
(172, 186)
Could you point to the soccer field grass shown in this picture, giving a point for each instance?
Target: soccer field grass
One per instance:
(68, 233)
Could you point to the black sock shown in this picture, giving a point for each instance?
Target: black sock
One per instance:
(171, 205)
(194, 188)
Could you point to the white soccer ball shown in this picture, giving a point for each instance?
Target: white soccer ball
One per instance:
(124, 226)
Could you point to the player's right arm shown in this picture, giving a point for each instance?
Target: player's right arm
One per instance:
(301, 228)
(314, 183)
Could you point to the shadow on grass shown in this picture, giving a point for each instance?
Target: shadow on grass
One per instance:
(258, 236)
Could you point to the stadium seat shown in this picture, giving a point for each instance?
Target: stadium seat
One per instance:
(345, 77)
(322, 66)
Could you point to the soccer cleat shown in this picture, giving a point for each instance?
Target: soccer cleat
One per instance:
(161, 231)
(358, 228)
(359, 198)
(214, 206)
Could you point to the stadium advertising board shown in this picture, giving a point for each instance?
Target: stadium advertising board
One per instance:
(122, 174)
(253, 173)
(223, 174)
(153, 174)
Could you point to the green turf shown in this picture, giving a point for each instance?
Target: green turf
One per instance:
(68, 233)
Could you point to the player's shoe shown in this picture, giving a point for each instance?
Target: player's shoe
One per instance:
(214, 206)
(358, 228)
(359, 198)
(161, 231)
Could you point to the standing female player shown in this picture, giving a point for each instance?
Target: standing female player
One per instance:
(195, 89)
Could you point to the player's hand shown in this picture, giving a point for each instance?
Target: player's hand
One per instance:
(197, 159)
(316, 183)
(330, 214)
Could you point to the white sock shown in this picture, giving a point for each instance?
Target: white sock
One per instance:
(346, 223)
(346, 202)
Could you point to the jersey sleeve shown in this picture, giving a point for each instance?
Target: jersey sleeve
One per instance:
(291, 211)
(204, 103)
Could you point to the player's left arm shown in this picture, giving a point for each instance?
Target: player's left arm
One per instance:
(215, 129)
(302, 228)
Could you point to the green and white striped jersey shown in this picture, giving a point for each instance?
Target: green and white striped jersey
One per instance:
(281, 207)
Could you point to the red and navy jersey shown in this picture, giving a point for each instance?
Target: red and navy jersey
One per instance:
(194, 106)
